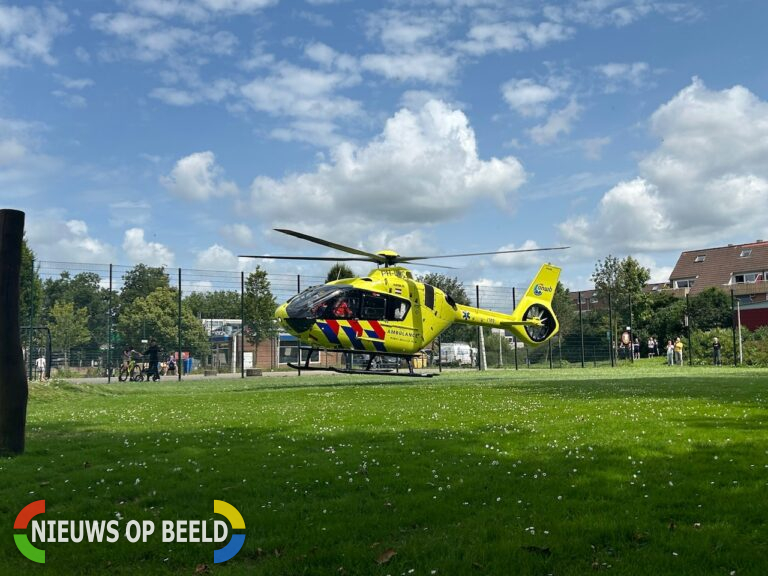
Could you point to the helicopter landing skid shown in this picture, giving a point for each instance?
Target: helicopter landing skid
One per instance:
(362, 372)
(369, 370)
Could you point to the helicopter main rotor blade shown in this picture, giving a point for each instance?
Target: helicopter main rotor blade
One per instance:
(410, 258)
(324, 258)
(437, 266)
(368, 255)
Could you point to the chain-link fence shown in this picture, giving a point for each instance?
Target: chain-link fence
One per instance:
(91, 316)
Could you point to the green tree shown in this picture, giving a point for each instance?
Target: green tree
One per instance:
(622, 280)
(69, 327)
(84, 291)
(339, 271)
(260, 306)
(711, 308)
(156, 315)
(455, 289)
(217, 304)
(664, 317)
(141, 281)
(565, 310)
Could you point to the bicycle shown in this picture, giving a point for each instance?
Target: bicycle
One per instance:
(132, 371)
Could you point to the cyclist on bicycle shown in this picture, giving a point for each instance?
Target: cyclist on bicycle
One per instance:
(128, 367)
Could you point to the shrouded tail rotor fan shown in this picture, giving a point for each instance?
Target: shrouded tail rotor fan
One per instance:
(548, 323)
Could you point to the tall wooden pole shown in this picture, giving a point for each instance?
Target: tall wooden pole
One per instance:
(14, 390)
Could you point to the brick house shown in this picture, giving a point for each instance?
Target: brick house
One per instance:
(739, 269)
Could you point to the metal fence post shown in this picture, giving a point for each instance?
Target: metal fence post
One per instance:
(242, 324)
(110, 315)
(514, 338)
(688, 325)
(550, 353)
(631, 332)
(298, 342)
(480, 339)
(581, 330)
(610, 331)
(31, 323)
(439, 353)
(180, 363)
(733, 326)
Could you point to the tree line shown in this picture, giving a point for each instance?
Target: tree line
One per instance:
(80, 311)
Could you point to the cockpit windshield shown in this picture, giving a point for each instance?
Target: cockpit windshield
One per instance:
(347, 303)
(320, 302)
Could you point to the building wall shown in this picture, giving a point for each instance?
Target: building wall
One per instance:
(755, 316)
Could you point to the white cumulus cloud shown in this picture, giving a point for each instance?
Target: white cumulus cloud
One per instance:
(423, 167)
(53, 237)
(139, 251)
(198, 177)
(216, 257)
(706, 180)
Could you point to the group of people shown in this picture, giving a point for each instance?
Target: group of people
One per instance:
(675, 352)
(155, 368)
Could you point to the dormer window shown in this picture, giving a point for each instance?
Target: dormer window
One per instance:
(700, 258)
(746, 253)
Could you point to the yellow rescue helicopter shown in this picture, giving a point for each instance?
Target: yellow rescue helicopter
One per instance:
(390, 313)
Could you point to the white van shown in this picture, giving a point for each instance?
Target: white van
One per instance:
(456, 353)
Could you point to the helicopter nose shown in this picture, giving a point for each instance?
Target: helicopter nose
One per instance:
(293, 325)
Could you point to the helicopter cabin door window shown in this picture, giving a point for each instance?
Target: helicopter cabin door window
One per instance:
(384, 307)
(374, 307)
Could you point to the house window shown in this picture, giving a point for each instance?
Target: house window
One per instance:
(700, 258)
(685, 283)
(747, 278)
(746, 253)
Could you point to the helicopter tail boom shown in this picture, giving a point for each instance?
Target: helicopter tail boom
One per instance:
(533, 320)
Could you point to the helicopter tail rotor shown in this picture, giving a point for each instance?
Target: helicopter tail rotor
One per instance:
(535, 321)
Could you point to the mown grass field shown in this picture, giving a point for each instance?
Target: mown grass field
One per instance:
(634, 470)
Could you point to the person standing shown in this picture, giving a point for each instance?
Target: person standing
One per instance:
(651, 347)
(40, 365)
(153, 352)
(678, 351)
(670, 353)
(716, 357)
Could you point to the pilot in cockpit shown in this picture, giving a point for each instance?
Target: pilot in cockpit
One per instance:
(342, 309)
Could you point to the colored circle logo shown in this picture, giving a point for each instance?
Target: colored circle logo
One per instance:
(236, 520)
(22, 521)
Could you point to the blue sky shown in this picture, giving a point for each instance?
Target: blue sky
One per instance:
(180, 133)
